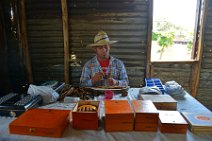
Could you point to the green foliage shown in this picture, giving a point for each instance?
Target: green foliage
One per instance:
(154, 36)
(165, 32)
(190, 41)
(163, 39)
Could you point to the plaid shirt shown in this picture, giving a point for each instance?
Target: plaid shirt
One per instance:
(115, 70)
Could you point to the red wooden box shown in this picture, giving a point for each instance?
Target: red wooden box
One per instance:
(118, 115)
(172, 122)
(40, 122)
(85, 120)
(146, 115)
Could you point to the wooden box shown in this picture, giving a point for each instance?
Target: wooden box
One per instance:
(162, 102)
(40, 122)
(146, 115)
(118, 115)
(172, 122)
(85, 120)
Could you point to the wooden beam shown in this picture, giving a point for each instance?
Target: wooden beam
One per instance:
(66, 39)
(175, 62)
(149, 39)
(196, 30)
(196, 68)
(24, 41)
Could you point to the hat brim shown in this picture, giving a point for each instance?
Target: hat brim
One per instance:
(95, 45)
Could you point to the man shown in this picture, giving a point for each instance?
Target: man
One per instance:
(103, 69)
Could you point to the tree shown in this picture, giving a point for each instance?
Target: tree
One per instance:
(164, 40)
(165, 32)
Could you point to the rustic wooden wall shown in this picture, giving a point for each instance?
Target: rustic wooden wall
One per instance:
(11, 67)
(181, 73)
(45, 38)
(125, 21)
(204, 93)
(4, 81)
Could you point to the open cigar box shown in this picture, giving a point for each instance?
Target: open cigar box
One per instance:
(85, 115)
(118, 115)
(172, 122)
(146, 115)
(161, 102)
(40, 122)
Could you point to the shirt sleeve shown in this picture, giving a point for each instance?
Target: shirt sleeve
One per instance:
(123, 79)
(85, 79)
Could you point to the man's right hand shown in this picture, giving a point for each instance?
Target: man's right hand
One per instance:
(97, 77)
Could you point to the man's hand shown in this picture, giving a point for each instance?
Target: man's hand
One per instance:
(112, 82)
(97, 77)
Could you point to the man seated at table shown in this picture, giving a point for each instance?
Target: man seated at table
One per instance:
(103, 69)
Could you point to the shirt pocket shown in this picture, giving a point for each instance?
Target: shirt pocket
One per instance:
(115, 73)
(94, 70)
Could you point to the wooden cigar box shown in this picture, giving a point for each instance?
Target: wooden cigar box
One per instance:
(118, 115)
(146, 115)
(162, 102)
(85, 119)
(172, 122)
(40, 122)
(146, 127)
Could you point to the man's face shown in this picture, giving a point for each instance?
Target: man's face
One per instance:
(103, 52)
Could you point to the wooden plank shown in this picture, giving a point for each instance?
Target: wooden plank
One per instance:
(195, 41)
(24, 41)
(66, 39)
(149, 42)
(175, 62)
(196, 68)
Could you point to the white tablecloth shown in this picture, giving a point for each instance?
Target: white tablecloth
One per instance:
(188, 104)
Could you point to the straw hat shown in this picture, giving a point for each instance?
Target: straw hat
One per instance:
(100, 39)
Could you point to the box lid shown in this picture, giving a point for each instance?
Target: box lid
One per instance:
(42, 118)
(163, 100)
(171, 117)
(117, 107)
(144, 106)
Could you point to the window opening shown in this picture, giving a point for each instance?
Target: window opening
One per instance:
(173, 30)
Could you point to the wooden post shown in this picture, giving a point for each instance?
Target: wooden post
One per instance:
(24, 41)
(196, 68)
(149, 41)
(196, 30)
(66, 39)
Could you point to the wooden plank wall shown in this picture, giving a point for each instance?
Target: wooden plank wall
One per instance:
(205, 87)
(123, 20)
(181, 73)
(45, 37)
(12, 68)
(4, 75)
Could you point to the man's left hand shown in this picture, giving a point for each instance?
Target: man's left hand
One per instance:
(112, 82)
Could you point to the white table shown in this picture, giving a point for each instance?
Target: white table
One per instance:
(70, 134)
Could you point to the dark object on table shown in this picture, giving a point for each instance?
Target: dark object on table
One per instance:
(83, 93)
(14, 104)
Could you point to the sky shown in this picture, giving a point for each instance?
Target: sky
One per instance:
(179, 12)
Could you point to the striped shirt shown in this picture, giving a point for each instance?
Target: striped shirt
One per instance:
(115, 70)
